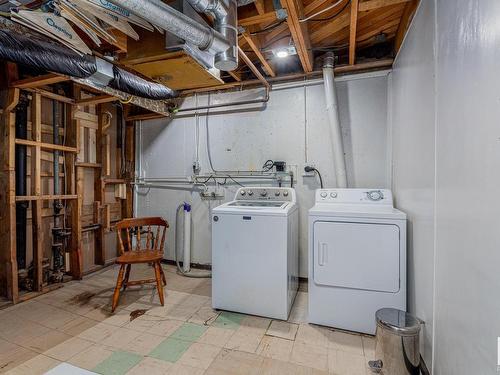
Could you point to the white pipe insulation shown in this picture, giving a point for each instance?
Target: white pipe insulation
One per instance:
(332, 110)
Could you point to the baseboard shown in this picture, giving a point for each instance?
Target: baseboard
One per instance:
(198, 266)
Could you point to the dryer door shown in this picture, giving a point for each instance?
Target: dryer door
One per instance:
(357, 255)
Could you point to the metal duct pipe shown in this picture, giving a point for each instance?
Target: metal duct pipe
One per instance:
(177, 23)
(21, 174)
(334, 120)
(225, 13)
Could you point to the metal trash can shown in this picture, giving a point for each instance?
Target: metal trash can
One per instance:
(396, 343)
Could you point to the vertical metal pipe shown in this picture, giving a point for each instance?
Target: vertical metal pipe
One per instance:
(334, 119)
(21, 175)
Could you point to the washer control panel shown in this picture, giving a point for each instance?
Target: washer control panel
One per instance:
(348, 196)
(268, 193)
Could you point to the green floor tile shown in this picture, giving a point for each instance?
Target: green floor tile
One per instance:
(170, 350)
(229, 320)
(189, 332)
(118, 363)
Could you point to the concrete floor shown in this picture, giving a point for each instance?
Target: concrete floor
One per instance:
(74, 325)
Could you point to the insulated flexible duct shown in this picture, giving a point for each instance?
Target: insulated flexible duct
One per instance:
(131, 83)
(58, 59)
(47, 56)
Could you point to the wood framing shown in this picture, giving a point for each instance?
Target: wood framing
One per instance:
(299, 32)
(96, 100)
(374, 4)
(408, 13)
(255, 46)
(255, 20)
(38, 81)
(352, 31)
(8, 262)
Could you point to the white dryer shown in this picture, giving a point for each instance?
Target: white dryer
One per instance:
(357, 258)
(255, 252)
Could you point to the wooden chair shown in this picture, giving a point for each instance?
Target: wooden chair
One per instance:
(148, 248)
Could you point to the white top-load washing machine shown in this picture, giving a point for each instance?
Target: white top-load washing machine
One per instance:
(357, 258)
(255, 252)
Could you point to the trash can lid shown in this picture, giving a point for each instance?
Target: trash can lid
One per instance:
(398, 321)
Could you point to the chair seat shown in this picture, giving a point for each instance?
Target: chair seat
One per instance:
(145, 256)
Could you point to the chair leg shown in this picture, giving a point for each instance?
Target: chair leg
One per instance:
(163, 276)
(116, 294)
(159, 283)
(127, 275)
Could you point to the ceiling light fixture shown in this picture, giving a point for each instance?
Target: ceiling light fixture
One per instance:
(282, 53)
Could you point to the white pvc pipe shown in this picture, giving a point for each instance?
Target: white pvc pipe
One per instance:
(186, 265)
(334, 122)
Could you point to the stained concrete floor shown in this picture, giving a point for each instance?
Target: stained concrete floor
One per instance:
(74, 325)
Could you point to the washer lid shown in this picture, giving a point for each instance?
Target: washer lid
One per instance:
(270, 208)
(357, 211)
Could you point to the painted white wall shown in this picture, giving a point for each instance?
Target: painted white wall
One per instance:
(464, 155)
(292, 127)
(412, 113)
(467, 182)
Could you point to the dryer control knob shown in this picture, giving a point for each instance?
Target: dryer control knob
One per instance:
(333, 195)
(250, 193)
(263, 193)
(375, 195)
(285, 193)
(277, 193)
(243, 192)
(323, 194)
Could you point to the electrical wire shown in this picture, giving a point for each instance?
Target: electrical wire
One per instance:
(275, 40)
(268, 28)
(309, 19)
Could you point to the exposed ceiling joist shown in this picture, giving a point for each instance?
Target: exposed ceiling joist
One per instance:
(255, 20)
(256, 48)
(331, 27)
(259, 5)
(300, 33)
(38, 81)
(352, 32)
(408, 13)
(374, 4)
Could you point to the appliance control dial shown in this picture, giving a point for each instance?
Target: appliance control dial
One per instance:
(263, 193)
(250, 192)
(285, 193)
(277, 193)
(375, 195)
(243, 192)
(323, 194)
(333, 195)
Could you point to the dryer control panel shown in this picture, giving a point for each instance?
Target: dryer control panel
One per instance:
(352, 196)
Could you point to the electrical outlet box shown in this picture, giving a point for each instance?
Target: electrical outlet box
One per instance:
(308, 174)
(211, 196)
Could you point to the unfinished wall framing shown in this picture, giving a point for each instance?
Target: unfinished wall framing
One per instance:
(76, 182)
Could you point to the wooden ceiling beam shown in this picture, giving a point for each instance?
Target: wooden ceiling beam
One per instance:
(374, 4)
(300, 33)
(352, 32)
(406, 18)
(96, 100)
(255, 46)
(331, 28)
(255, 20)
(259, 5)
(252, 67)
(47, 79)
